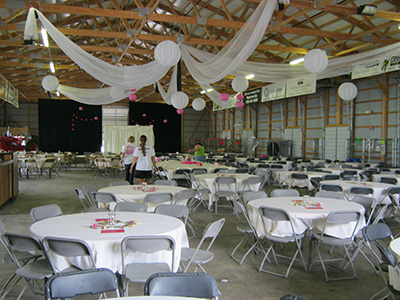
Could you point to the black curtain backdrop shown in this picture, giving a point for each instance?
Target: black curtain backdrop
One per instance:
(166, 122)
(66, 125)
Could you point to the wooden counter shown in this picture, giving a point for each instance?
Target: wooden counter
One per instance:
(8, 177)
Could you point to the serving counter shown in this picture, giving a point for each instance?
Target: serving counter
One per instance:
(8, 177)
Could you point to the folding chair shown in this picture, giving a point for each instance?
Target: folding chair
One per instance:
(166, 182)
(104, 199)
(298, 179)
(285, 193)
(197, 171)
(248, 196)
(45, 211)
(153, 199)
(252, 183)
(388, 180)
(87, 204)
(197, 285)
(331, 177)
(180, 177)
(146, 245)
(225, 188)
(279, 215)
(177, 211)
(332, 195)
(130, 206)
(69, 285)
(185, 196)
(248, 229)
(197, 255)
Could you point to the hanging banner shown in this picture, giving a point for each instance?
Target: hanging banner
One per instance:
(390, 64)
(252, 96)
(216, 107)
(12, 95)
(361, 72)
(301, 86)
(273, 92)
(3, 88)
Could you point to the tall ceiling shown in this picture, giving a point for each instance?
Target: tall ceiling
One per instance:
(126, 32)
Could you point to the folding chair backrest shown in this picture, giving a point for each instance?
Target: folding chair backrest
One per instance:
(377, 232)
(104, 197)
(331, 188)
(254, 180)
(250, 195)
(130, 206)
(197, 285)
(274, 214)
(285, 193)
(197, 171)
(166, 182)
(361, 190)
(342, 217)
(158, 197)
(185, 195)
(69, 285)
(177, 211)
(45, 211)
(88, 189)
(388, 180)
(242, 170)
(148, 244)
(212, 230)
(331, 177)
(299, 176)
(327, 194)
(21, 242)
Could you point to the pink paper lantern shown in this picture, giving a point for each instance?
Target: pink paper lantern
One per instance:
(144, 115)
(239, 104)
(96, 118)
(179, 111)
(132, 90)
(240, 97)
(73, 124)
(73, 129)
(80, 108)
(224, 96)
(132, 97)
(165, 121)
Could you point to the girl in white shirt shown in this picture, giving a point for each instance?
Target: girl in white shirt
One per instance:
(127, 158)
(144, 159)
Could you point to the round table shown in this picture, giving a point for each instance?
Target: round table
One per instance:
(302, 217)
(394, 276)
(378, 188)
(106, 247)
(171, 166)
(134, 193)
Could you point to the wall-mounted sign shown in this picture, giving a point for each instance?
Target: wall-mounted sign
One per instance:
(301, 86)
(273, 92)
(252, 96)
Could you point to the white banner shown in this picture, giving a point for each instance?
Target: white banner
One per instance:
(273, 92)
(12, 95)
(301, 86)
(368, 71)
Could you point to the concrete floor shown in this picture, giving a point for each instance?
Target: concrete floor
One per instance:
(235, 282)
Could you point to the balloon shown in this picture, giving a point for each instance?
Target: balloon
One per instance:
(132, 97)
(224, 96)
(167, 53)
(50, 83)
(80, 108)
(198, 104)
(240, 84)
(347, 91)
(315, 61)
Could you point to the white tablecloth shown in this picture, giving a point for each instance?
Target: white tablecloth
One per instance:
(171, 166)
(394, 273)
(379, 188)
(302, 217)
(134, 193)
(283, 178)
(106, 247)
(208, 181)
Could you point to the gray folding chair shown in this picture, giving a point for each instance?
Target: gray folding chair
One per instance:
(299, 179)
(197, 285)
(130, 206)
(225, 188)
(87, 204)
(247, 229)
(388, 180)
(279, 215)
(88, 189)
(184, 197)
(197, 255)
(67, 248)
(147, 245)
(251, 184)
(71, 284)
(33, 271)
(158, 198)
(285, 193)
(177, 211)
(332, 195)
(116, 183)
(248, 196)
(104, 199)
(197, 171)
(45, 211)
(166, 182)
(349, 218)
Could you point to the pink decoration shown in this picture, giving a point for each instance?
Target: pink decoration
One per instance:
(239, 104)
(95, 226)
(165, 121)
(80, 108)
(132, 97)
(86, 120)
(73, 129)
(81, 119)
(132, 90)
(371, 127)
(96, 118)
(76, 117)
(144, 115)
(73, 124)
(73, 115)
(179, 111)
(224, 96)
(240, 97)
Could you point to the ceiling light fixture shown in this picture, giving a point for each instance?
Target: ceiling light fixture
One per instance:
(52, 68)
(250, 76)
(45, 38)
(297, 61)
(210, 90)
(367, 10)
(202, 92)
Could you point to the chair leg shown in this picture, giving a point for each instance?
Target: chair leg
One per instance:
(243, 242)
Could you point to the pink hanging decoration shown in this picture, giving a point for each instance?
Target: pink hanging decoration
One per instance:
(240, 97)
(132, 90)
(179, 111)
(224, 96)
(239, 104)
(132, 97)
(80, 108)
(96, 118)
(144, 115)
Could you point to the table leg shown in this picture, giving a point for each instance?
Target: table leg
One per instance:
(310, 254)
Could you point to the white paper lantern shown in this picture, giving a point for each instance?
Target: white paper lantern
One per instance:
(50, 83)
(167, 53)
(240, 84)
(198, 104)
(347, 91)
(179, 100)
(315, 61)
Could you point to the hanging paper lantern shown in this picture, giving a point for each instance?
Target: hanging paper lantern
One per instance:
(144, 115)
(224, 96)
(240, 97)
(165, 121)
(198, 104)
(50, 83)
(240, 84)
(179, 111)
(80, 108)
(96, 118)
(132, 97)
(167, 53)
(239, 104)
(347, 91)
(179, 100)
(315, 61)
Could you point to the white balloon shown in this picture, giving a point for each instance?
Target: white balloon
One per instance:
(198, 104)
(347, 91)
(167, 53)
(179, 100)
(315, 61)
(240, 84)
(50, 83)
